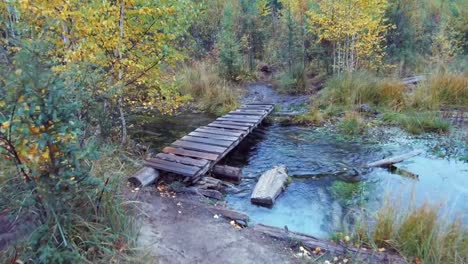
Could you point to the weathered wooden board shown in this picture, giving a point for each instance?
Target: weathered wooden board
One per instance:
(191, 153)
(215, 124)
(239, 120)
(243, 117)
(214, 136)
(210, 141)
(269, 186)
(220, 131)
(255, 113)
(231, 122)
(198, 146)
(182, 159)
(174, 167)
(392, 160)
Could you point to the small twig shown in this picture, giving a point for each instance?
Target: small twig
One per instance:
(100, 197)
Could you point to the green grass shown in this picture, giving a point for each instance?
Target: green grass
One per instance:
(416, 233)
(352, 124)
(417, 122)
(346, 192)
(210, 92)
(415, 110)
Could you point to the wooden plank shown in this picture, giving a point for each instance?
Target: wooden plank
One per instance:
(214, 124)
(242, 120)
(220, 131)
(174, 167)
(214, 136)
(257, 107)
(260, 104)
(263, 104)
(234, 122)
(183, 160)
(191, 153)
(198, 146)
(209, 141)
(250, 113)
(245, 117)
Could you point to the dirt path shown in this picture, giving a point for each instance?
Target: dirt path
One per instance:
(182, 230)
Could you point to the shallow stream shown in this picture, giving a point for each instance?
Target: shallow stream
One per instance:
(316, 201)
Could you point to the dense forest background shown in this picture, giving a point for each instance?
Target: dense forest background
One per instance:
(71, 71)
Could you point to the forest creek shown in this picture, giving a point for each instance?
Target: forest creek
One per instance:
(234, 131)
(314, 202)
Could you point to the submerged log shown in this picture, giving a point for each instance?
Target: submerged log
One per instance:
(144, 177)
(229, 173)
(392, 160)
(269, 186)
(328, 246)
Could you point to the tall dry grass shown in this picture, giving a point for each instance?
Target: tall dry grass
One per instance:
(442, 90)
(418, 233)
(351, 89)
(210, 92)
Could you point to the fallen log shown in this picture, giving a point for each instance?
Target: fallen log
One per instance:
(229, 173)
(392, 160)
(328, 246)
(214, 194)
(144, 177)
(228, 213)
(269, 186)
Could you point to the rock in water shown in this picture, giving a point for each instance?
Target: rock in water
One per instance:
(269, 186)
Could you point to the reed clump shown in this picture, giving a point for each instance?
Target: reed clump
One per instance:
(210, 92)
(419, 234)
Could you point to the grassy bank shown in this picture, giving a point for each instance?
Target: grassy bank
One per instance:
(92, 222)
(209, 91)
(420, 234)
(350, 98)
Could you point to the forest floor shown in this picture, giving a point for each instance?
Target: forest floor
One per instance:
(181, 229)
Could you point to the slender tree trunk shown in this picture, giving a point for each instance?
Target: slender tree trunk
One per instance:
(121, 110)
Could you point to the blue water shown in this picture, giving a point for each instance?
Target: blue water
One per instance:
(313, 156)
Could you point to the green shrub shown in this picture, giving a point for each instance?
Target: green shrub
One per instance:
(293, 81)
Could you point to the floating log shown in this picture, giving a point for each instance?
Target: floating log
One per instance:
(269, 186)
(328, 246)
(228, 213)
(144, 177)
(229, 173)
(392, 160)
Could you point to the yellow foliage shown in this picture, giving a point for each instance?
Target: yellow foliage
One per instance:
(355, 28)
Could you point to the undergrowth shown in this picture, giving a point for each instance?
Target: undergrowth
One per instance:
(92, 223)
(348, 96)
(210, 92)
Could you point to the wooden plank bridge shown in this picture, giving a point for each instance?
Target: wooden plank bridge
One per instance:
(195, 154)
